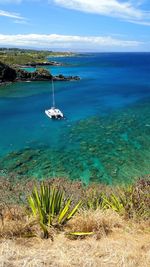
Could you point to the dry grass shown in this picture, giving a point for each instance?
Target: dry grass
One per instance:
(117, 243)
(97, 221)
(15, 222)
(118, 250)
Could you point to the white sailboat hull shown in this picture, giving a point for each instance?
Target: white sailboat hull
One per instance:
(54, 113)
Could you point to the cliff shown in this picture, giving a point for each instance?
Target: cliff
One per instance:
(9, 74)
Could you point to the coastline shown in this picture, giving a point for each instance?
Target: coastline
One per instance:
(9, 74)
(55, 79)
(39, 64)
(5, 83)
(106, 145)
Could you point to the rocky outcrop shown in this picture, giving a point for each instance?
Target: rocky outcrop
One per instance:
(37, 64)
(7, 74)
(38, 75)
(42, 75)
(65, 78)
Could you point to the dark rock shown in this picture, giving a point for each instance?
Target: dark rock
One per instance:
(36, 64)
(60, 77)
(38, 75)
(7, 74)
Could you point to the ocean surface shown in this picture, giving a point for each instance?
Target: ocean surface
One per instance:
(106, 134)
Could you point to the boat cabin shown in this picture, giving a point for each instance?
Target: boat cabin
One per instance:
(54, 113)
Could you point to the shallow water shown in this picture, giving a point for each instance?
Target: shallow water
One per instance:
(106, 134)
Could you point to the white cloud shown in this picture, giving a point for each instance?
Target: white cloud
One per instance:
(145, 23)
(128, 10)
(104, 7)
(55, 41)
(10, 15)
(114, 8)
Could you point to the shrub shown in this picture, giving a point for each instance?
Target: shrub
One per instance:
(131, 201)
(113, 202)
(50, 207)
(93, 200)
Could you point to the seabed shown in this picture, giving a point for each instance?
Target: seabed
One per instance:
(112, 149)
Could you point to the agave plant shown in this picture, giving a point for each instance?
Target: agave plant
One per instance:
(113, 202)
(50, 207)
(132, 201)
(76, 235)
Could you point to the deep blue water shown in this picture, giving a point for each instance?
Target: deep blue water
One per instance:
(107, 119)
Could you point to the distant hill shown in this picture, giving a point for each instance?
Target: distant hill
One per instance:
(12, 61)
(17, 56)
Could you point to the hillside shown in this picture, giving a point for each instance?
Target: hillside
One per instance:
(119, 233)
(18, 56)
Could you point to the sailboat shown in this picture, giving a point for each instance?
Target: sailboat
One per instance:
(53, 112)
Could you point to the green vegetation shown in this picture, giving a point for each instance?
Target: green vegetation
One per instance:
(131, 201)
(11, 61)
(15, 56)
(51, 207)
(113, 202)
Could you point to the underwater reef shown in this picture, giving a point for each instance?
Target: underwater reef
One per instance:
(108, 149)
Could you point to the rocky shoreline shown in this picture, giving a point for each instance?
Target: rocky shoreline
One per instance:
(54, 78)
(39, 64)
(9, 75)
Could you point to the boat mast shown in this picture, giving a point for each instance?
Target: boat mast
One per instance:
(53, 97)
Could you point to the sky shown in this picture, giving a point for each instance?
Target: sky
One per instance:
(76, 25)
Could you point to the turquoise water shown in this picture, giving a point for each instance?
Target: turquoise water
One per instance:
(106, 134)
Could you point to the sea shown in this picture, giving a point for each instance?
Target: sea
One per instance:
(105, 136)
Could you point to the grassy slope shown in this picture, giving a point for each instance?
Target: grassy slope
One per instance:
(20, 57)
(126, 245)
(118, 241)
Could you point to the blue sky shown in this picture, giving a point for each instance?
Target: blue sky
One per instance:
(76, 25)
